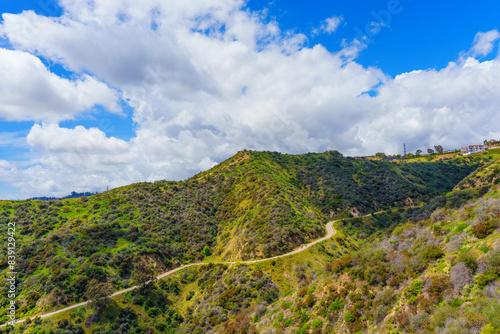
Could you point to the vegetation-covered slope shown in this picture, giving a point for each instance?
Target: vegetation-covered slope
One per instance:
(337, 184)
(485, 176)
(256, 204)
(438, 274)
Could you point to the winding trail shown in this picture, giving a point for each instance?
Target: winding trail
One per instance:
(330, 232)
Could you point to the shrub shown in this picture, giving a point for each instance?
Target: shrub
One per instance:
(337, 304)
(457, 302)
(461, 227)
(469, 260)
(494, 261)
(419, 321)
(317, 323)
(342, 263)
(484, 279)
(439, 285)
(302, 291)
(483, 229)
(432, 252)
(138, 300)
(206, 251)
(310, 300)
(460, 276)
(398, 231)
(349, 317)
(153, 312)
(414, 289)
(489, 329)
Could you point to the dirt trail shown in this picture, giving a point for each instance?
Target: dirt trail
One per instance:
(330, 232)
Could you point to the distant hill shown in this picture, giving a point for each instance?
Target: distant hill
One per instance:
(72, 195)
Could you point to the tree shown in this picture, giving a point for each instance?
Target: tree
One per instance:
(98, 293)
(206, 251)
(438, 148)
(430, 151)
(380, 155)
(144, 276)
(418, 153)
(432, 252)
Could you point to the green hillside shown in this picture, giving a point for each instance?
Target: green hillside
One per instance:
(254, 205)
(436, 275)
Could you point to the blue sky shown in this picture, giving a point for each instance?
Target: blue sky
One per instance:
(111, 93)
(423, 34)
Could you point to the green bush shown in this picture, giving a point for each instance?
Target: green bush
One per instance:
(489, 329)
(337, 304)
(206, 251)
(457, 302)
(310, 300)
(400, 229)
(494, 261)
(484, 279)
(349, 317)
(460, 228)
(414, 289)
(317, 323)
(469, 260)
(432, 252)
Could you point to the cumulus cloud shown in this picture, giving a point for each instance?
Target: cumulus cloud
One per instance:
(28, 91)
(5, 164)
(484, 42)
(206, 78)
(331, 24)
(80, 151)
(51, 138)
(454, 106)
(79, 158)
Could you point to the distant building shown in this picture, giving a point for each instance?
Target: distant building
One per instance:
(473, 149)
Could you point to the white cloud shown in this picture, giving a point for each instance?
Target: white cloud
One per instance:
(80, 150)
(331, 24)
(5, 164)
(28, 91)
(452, 107)
(211, 79)
(51, 138)
(13, 139)
(484, 42)
(79, 159)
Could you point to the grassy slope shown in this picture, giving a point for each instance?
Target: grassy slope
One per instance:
(262, 213)
(492, 153)
(484, 176)
(436, 275)
(440, 274)
(255, 204)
